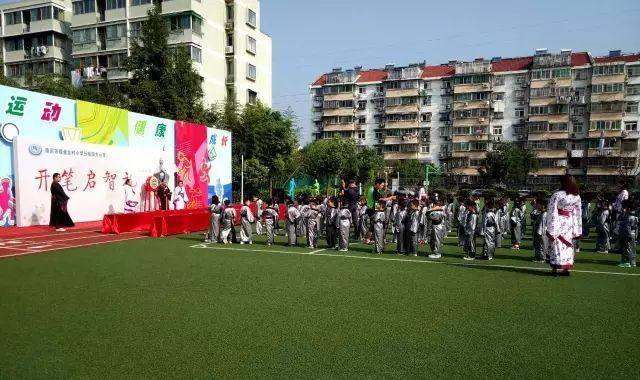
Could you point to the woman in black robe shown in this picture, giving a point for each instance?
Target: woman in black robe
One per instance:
(59, 218)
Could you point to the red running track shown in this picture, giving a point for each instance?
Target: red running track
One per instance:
(39, 239)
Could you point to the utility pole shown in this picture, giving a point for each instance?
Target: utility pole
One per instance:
(242, 178)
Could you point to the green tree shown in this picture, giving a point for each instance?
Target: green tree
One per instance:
(327, 158)
(509, 164)
(164, 82)
(413, 169)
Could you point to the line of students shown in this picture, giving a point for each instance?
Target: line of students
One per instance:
(422, 221)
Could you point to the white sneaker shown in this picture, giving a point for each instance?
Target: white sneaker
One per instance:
(60, 229)
(241, 242)
(469, 258)
(414, 254)
(207, 241)
(344, 250)
(435, 256)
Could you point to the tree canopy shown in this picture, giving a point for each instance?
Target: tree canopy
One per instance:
(509, 164)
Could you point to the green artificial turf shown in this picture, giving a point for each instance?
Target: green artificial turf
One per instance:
(159, 308)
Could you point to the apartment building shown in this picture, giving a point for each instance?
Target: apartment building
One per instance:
(577, 111)
(34, 36)
(224, 39)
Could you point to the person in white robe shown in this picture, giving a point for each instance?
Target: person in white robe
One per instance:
(180, 197)
(564, 224)
(131, 199)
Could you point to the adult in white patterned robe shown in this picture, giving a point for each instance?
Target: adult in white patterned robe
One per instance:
(564, 223)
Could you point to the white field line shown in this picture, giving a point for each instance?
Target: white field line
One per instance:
(71, 246)
(90, 234)
(52, 234)
(318, 253)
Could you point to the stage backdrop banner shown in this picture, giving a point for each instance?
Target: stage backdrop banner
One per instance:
(151, 132)
(92, 176)
(219, 155)
(102, 125)
(32, 114)
(192, 162)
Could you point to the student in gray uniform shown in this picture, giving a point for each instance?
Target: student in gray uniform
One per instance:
(503, 219)
(246, 220)
(330, 220)
(291, 223)
(539, 226)
(449, 208)
(517, 215)
(229, 220)
(423, 219)
(301, 227)
(322, 208)
(362, 219)
(258, 216)
(490, 229)
(412, 228)
(586, 220)
(603, 227)
(398, 224)
(213, 235)
(461, 218)
(344, 227)
(387, 217)
(394, 212)
(312, 224)
(378, 222)
(470, 228)
(523, 225)
(438, 229)
(270, 216)
(627, 234)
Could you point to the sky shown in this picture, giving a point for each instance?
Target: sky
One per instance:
(310, 37)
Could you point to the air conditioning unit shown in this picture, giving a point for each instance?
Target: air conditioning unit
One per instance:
(228, 50)
(481, 120)
(485, 85)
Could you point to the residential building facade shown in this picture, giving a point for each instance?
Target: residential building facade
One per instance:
(577, 111)
(35, 38)
(223, 38)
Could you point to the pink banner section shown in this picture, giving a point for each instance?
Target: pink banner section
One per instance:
(192, 162)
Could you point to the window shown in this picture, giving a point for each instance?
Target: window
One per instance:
(631, 126)
(42, 13)
(178, 23)
(426, 117)
(633, 71)
(519, 112)
(116, 60)
(424, 148)
(608, 70)
(427, 85)
(251, 45)
(633, 89)
(362, 120)
(379, 135)
(578, 127)
(498, 80)
(426, 101)
(116, 31)
(471, 79)
(607, 107)
(135, 28)
(115, 4)
(498, 96)
(333, 104)
(497, 130)
(498, 115)
(251, 72)
(42, 68)
(84, 6)
(338, 89)
(252, 18)
(580, 74)
(140, 2)
(13, 44)
(196, 25)
(83, 36)
(631, 107)
(13, 18)
(362, 104)
(361, 135)
(58, 14)
(196, 54)
(605, 125)
(607, 87)
(471, 96)
(551, 73)
(362, 90)
(15, 70)
(252, 97)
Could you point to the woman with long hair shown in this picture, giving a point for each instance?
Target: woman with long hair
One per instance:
(564, 224)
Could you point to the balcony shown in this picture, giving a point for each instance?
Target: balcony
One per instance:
(548, 135)
(398, 92)
(468, 171)
(470, 137)
(402, 124)
(471, 122)
(607, 97)
(604, 171)
(230, 79)
(551, 118)
(185, 36)
(601, 79)
(179, 6)
(471, 154)
(556, 82)
(401, 155)
(408, 108)
(117, 74)
(344, 127)
(606, 152)
(339, 96)
(41, 52)
(465, 88)
(551, 153)
(615, 133)
(471, 105)
(555, 171)
(338, 112)
(119, 43)
(409, 139)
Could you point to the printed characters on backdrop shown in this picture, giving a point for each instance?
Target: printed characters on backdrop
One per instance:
(180, 198)
(131, 199)
(59, 218)
(7, 203)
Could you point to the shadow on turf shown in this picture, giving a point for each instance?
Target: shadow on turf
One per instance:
(533, 272)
